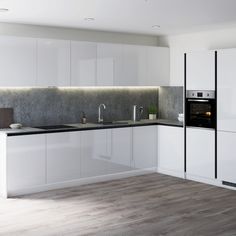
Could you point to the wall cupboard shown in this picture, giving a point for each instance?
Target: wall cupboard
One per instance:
(31, 62)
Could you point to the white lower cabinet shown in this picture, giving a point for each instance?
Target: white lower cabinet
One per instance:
(144, 147)
(63, 156)
(226, 157)
(25, 162)
(121, 150)
(94, 153)
(170, 150)
(200, 152)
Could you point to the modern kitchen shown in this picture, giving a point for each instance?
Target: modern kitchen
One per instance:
(117, 117)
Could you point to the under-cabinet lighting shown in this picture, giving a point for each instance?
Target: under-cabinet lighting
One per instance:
(4, 9)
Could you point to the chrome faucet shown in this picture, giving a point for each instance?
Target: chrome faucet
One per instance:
(100, 119)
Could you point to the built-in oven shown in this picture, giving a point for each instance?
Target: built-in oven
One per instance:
(200, 109)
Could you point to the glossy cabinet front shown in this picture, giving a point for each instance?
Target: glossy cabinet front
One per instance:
(18, 62)
(144, 147)
(26, 161)
(83, 63)
(53, 62)
(170, 150)
(226, 90)
(200, 70)
(63, 156)
(226, 156)
(200, 152)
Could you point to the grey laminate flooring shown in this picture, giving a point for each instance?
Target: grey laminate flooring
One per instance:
(145, 205)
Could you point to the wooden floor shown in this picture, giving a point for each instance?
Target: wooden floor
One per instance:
(145, 205)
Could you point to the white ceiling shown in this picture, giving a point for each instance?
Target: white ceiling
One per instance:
(134, 16)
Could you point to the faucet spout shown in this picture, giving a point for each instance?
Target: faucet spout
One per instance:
(100, 119)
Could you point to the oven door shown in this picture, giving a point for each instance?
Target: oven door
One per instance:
(201, 113)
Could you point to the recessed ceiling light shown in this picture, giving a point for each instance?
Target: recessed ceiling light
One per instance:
(156, 26)
(89, 19)
(4, 9)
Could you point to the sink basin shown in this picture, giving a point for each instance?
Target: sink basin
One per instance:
(49, 127)
(114, 123)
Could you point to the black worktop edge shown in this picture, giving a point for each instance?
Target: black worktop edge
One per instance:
(73, 129)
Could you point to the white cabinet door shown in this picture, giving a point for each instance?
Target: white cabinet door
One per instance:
(53, 61)
(26, 161)
(83, 63)
(63, 156)
(134, 66)
(158, 66)
(226, 156)
(200, 152)
(121, 150)
(93, 163)
(109, 64)
(17, 62)
(200, 71)
(170, 149)
(226, 90)
(144, 147)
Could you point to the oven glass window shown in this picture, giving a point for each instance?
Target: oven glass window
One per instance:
(201, 114)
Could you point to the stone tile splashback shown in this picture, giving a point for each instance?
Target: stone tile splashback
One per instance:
(170, 102)
(47, 106)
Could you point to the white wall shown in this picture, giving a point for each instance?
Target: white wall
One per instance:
(179, 44)
(75, 34)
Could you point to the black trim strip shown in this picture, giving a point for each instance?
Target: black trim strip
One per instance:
(73, 129)
(185, 83)
(216, 115)
(229, 184)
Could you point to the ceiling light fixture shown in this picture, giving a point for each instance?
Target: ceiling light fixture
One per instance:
(89, 19)
(4, 9)
(156, 26)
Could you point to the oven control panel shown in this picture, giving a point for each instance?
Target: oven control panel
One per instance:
(205, 94)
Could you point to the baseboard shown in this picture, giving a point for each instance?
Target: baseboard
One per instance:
(214, 182)
(171, 173)
(78, 182)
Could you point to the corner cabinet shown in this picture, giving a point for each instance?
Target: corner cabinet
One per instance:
(170, 150)
(18, 62)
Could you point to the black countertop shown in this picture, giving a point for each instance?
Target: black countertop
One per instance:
(91, 126)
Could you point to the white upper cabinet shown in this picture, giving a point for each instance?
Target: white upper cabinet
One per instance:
(17, 62)
(134, 66)
(53, 62)
(226, 90)
(83, 63)
(200, 70)
(109, 64)
(158, 67)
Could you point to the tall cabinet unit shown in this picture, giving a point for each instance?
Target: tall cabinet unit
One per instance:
(200, 139)
(226, 114)
(18, 62)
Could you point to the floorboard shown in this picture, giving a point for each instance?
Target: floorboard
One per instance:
(145, 205)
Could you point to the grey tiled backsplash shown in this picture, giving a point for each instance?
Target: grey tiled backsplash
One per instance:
(46, 106)
(170, 102)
